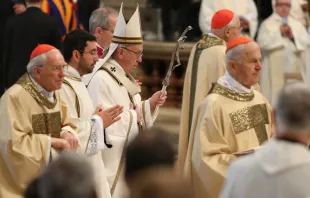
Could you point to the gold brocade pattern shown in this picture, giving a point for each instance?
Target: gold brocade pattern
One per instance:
(221, 90)
(77, 103)
(31, 88)
(73, 78)
(208, 41)
(253, 117)
(205, 42)
(47, 123)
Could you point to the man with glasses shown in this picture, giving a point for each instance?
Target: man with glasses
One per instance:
(80, 52)
(283, 41)
(101, 24)
(34, 123)
(113, 84)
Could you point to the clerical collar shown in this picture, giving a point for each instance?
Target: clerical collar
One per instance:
(103, 49)
(230, 83)
(211, 34)
(47, 94)
(72, 73)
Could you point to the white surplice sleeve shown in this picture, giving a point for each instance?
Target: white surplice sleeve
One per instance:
(90, 131)
(269, 36)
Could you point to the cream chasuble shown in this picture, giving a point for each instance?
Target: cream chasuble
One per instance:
(205, 65)
(227, 122)
(280, 54)
(90, 127)
(27, 121)
(109, 87)
(242, 8)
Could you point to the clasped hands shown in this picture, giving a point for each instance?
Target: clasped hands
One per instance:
(286, 31)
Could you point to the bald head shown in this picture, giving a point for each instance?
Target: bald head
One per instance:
(243, 63)
(292, 109)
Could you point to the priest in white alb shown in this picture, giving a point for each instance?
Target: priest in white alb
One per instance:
(233, 120)
(299, 11)
(206, 64)
(283, 41)
(113, 84)
(34, 122)
(80, 52)
(245, 9)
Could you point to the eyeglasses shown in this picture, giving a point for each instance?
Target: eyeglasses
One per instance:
(59, 68)
(112, 31)
(283, 4)
(55, 68)
(138, 55)
(92, 52)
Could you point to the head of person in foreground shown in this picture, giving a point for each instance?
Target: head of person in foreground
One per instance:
(70, 175)
(292, 112)
(243, 61)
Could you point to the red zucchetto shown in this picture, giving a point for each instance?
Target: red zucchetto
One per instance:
(237, 41)
(41, 49)
(221, 18)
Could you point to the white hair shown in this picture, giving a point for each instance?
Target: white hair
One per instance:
(231, 24)
(70, 175)
(101, 18)
(38, 61)
(235, 54)
(293, 108)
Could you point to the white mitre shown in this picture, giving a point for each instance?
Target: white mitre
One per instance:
(124, 34)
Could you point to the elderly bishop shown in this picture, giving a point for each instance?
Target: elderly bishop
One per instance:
(206, 64)
(34, 123)
(113, 84)
(233, 120)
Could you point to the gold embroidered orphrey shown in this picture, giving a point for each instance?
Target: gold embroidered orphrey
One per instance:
(228, 93)
(47, 123)
(253, 117)
(205, 42)
(31, 88)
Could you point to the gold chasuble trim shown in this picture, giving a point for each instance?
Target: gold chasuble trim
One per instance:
(221, 90)
(47, 123)
(74, 78)
(122, 160)
(253, 117)
(77, 103)
(205, 42)
(31, 88)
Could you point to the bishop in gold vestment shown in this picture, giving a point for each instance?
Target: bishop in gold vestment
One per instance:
(27, 120)
(205, 65)
(32, 120)
(233, 119)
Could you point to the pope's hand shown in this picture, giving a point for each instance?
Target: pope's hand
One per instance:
(157, 100)
(60, 144)
(71, 139)
(109, 116)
